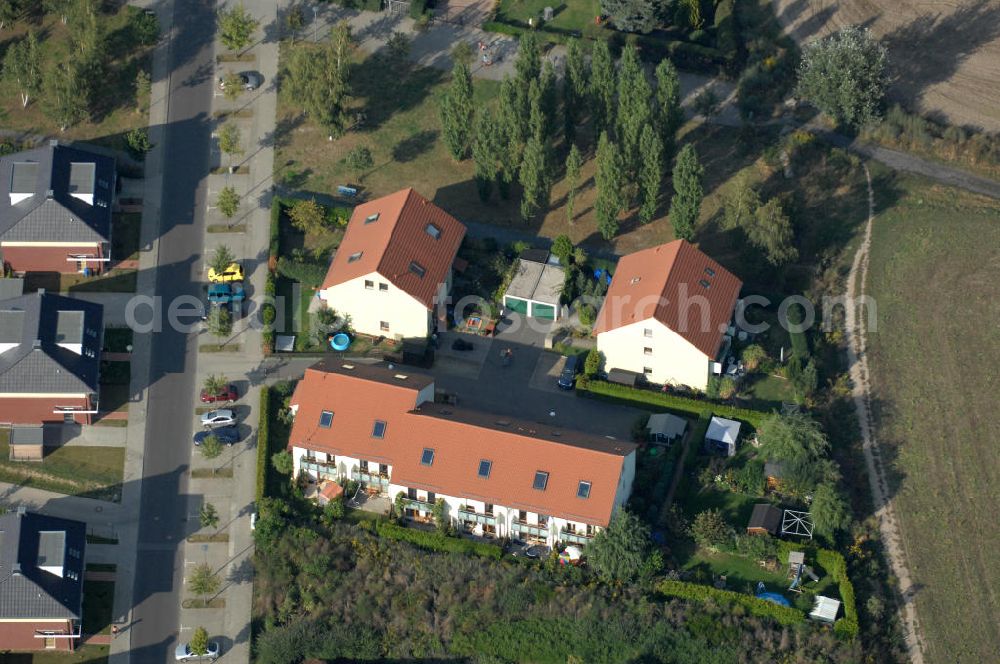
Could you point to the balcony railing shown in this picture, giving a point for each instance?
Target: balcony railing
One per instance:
(575, 538)
(529, 529)
(322, 469)
(419, 505)
(373, 479)
(471, 516)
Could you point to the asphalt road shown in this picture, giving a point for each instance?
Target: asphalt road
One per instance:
(170, 395)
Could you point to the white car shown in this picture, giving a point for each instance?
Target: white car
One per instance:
(218, 418)
(184, 654)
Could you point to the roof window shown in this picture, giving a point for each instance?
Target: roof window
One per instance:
(372, 218)
(703, 283)
(378, 431)
(709, 271)
(433, 231)
(485, 466)
(417, 269)
(355, 256)
(541, 480)
(326, 419)
(400, 376)
(427, 458)
(583, 489)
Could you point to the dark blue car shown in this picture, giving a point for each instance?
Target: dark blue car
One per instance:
(226, 435)
(569, 372)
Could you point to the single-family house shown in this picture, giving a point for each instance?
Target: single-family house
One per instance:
(498, 476)
(50, 347)
(722, 435)
(55, 209)
(394, 266)
(666, 314)
(41, 581)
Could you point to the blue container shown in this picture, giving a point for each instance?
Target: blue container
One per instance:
(340, 341)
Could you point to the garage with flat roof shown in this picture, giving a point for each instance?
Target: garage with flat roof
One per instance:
(535, 289)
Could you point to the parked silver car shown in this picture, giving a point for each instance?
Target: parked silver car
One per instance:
(185, 654)
(218, 418)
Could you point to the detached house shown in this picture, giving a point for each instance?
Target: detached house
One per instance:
(50, 349)
(55, 212)
(667, 315)
(497, 475)
(394, 265)
(41, 581)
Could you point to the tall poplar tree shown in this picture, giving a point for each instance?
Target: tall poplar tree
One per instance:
(688, 192)
(650, 173)
(573, 163)
(457, 110)
(634, 95)
(669, 115)
(608, 179)
(602, 86)
(574, 89)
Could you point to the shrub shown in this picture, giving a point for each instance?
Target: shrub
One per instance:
(283, 462)
(203, 581)
(263, 440)
(641, 398)
(145, 27)
(308, 273)
(211, 447)
(784, 615)
(138, 141)
(726, 38)
(710, 530)
(588, 314)
(836, 566)
(437, 542)
(593, 362)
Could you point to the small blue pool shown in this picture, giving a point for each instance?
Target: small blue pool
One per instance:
(340, 341)
(774, 597)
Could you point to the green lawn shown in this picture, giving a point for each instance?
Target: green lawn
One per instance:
(94, 472)
(771, 389)
(125, 227)
(742, 573)
(98, 601)
(933, 275)
(82, 655)
(577, 15)
(114, 281)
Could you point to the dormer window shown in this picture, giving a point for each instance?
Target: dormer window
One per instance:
(418, 269)
(541, 480)
(356, 256)
(433, 231)
(372, 218)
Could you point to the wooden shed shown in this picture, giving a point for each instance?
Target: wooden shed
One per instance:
(766, 519)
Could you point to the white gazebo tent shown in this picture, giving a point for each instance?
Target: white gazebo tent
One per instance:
(722, 436)
(825, 609)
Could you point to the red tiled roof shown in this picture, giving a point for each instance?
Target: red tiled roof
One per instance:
(656, 282)
(396, 239)
(460, 440)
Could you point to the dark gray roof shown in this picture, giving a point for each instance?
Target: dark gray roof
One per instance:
(11, 287)
(765, 516)
(38, 363)
(27, 436)
(29, 541)
(53, 174)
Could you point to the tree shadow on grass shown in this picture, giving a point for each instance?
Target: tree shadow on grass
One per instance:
(386, 93)
(414, 145)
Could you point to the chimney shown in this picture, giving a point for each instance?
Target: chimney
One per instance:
(49, 193)
(21, 510)
(54, 142)
(36, 344)
(41, 291)
(15, 569)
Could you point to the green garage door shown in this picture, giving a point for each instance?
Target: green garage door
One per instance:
(546, 311)
(516, 305)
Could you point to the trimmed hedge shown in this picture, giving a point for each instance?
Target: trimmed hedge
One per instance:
(434, 541)
(785, 615)
(836, 566)
(263, 440)
(633, 396)
(727, 38)
(277, 204)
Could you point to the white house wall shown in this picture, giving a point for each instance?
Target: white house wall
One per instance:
(673, 360)
(368, 308)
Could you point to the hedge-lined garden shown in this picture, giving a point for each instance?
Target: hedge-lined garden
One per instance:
(434, 541)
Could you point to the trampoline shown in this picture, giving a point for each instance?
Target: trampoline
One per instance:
(340, 341)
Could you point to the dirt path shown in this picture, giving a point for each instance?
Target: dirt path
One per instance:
(858, 362)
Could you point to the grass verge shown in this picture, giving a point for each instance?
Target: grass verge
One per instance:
(91, 472)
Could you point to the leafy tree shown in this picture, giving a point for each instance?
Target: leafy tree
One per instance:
(10, 12)
(236, 27)
(791, 437)
(61, 7)
(752, 357)
(829, 511)
(283, 462)
(457, 109)
(228, 202)
(318, 80)
(232, 85)
(222, 258)
(398, 47)
(199, 641)
(440, 514)
(145, 27)
(143, 90)
(211, 447)
(651, 172)
(138, 141)
(306, 271)
(669, 115)
(602, 86)
(295, 19)
(220, 322)
(579, 256)
(534, 179)
(462, 53)
(514, 134)
(573, 163)
(688, 14)
(574, 88)
(359, 160)
(529, 58)
(230, 139)
(804, 379)
(802, 476)
(844, 75)
(215, 384)
(592, 364)
(688, 192)
(739, 204)
(203, 581)
(486, 151)
(633, 107)
(608, 179)
(631, 15)
(617, 553)
(335, 510)
(21, 65)
(710, 530)
(308, 216)
(587, 314)
(771, 231)
(536, 116)
(65, 98)
(208, 516)
(562, 248)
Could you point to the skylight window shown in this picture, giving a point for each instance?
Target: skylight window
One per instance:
(418, 269)
(372, 218)
(326, 419)
(378, 431)
(583, 490)
(703, 283)
(709, 271)
(355, 256)
(541, 480)
(427, 458)
(433, 231)
(485, 466)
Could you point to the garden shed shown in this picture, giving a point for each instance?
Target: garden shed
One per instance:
(825, 609)
(722, 436)
(765, 520)
(665, 428)
(27, 443)
(535, 289)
